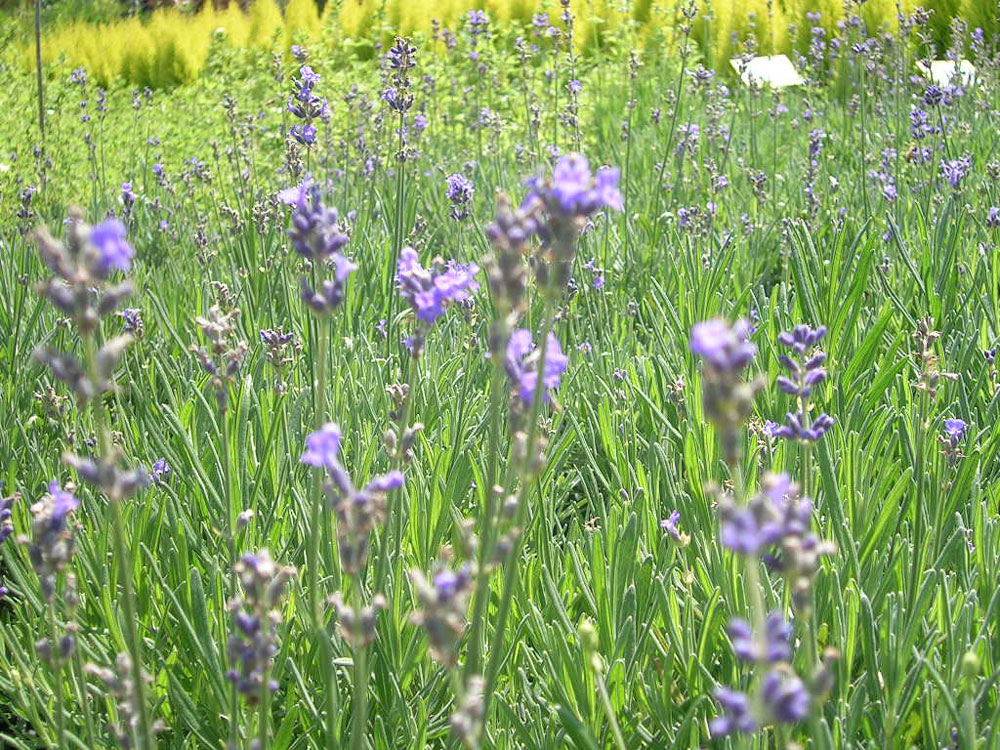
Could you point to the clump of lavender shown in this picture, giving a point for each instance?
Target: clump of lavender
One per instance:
(401, 57)
(307, 106)
(6, 512)
(429, 291)
(955, 170)
(442, 607)
(816, 138)
(930, 374)
(318, 235)
(783, 697)
(555, 211)
(805, 372)
(80, 288)
(726, 395)
(459, 192)
(467, 721)
(256, 615)
(52, 545)
(776, 526)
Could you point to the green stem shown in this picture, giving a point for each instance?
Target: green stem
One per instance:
(510, 571)
(322, 343)
(264, 712)
(316, 513)
(80, 693)
(486, 521)
(920, 533)
(616, 731)
(227, 499)
(57, 667)
(360, 712)
(124, 559)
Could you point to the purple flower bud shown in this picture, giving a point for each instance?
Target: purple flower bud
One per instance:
(323, 447)
(108, 238)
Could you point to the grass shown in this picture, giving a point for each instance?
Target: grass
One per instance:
(909, 596)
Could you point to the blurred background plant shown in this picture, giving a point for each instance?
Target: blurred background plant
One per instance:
(162, 43)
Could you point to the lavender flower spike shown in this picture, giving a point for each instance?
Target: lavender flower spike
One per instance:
(430, 290)
(323, 448)
(805, 371)
(736, 716)
(521, 364)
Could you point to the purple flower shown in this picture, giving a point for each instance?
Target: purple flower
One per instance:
(574, 192)
(723, 346)
(933, 95)
(670, 525)
(785, 696)
(521, 365)
(430, 290)
(161, 471)
(132, 320)
(304, 134)
(6, 525)
(386, 482)
(63, 503)
(128, 195)
(954, 428)
(993, 217)
(108, 238)
(805, 371)
(740, 531)
(955, 170)
(736, 715)
(323, 448)
(776, 646)
(447, 582)
(460, 190)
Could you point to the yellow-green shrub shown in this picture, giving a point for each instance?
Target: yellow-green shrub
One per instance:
(170, 47)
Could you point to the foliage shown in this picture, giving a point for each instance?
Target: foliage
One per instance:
(861, 202)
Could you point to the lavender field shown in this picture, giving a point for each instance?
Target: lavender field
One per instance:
(495, 387)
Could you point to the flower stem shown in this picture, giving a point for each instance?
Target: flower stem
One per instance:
(227, 499)
(322, 344)
(57, 666)
(486, 523)
(124, 560)
(609, 711)
(360, 712)
(264, 711)
(510, 571)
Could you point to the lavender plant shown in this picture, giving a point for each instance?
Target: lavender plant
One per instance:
(552, 572)
(81, 289)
